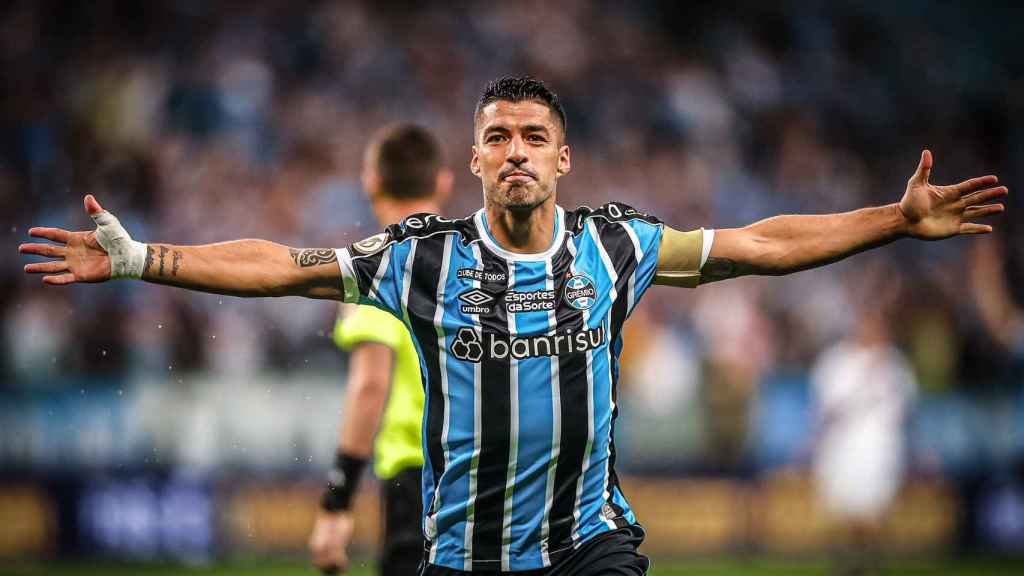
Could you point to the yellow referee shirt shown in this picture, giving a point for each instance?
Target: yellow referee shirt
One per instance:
(398, 444)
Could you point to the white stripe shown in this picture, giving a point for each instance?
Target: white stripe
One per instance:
(707, 238)
(556, 429)
(590, 417)
(349, 281)
(385, 261)
(613, 277)
(442, 349)
(474, 466)
(639, 253)
(407, 279)
(513, 437)
(608, 266)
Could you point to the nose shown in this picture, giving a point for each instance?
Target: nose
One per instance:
(517, 151)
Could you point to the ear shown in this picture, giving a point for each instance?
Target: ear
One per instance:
(564, 160)
(474, 163)
(371, 182)
(443, 185)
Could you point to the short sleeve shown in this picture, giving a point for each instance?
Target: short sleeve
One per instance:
(372, 272)
(629, 241)
(362, 324)
(647, 234)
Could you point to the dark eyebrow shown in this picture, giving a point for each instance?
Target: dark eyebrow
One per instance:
(495, 128)
(535, 128)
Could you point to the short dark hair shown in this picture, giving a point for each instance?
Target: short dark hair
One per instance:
(520, 89)
(407, 158)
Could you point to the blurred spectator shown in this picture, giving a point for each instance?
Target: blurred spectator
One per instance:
(863, 388)
(205, 121)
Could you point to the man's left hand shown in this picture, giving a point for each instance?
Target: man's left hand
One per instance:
(936, 212)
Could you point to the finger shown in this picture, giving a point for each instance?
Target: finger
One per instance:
(972, 228)
(924, 167)
(48, 250)
(59, 280)
(981, 211)
(968, 186)
(983, 196)
(92, 207)
(46, 267)
(55, 234)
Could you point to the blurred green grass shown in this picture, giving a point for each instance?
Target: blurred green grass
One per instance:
(962, 567)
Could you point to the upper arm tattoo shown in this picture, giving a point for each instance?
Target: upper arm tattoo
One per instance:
(716, 269)
(313, 256)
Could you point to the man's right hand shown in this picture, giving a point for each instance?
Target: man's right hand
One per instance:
(329, 541)
(77, 256)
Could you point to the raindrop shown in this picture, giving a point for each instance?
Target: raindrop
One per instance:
(159, 326)
(170, 367)
(103, 352)
(120, 392)
(214, 336)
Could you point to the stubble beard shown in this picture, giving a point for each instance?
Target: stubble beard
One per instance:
(519, 200)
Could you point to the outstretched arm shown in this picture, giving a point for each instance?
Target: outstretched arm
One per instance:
(238, 268)
(786, 244)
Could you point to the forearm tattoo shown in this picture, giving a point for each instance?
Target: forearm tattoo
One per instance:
(151, 259)
(313, 256)
(163, 252)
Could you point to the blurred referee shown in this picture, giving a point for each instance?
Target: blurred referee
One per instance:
(403, 174)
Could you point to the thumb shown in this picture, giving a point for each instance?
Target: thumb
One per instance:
(924, 168)
(92, 207)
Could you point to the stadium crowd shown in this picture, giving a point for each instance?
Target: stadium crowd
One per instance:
(198, 122)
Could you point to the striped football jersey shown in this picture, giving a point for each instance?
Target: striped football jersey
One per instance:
(519, 360)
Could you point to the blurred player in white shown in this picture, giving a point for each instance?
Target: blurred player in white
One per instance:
(863, 388)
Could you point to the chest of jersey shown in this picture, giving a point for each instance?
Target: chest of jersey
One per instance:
(502, 310)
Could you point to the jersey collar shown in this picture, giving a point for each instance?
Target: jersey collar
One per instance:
(480, 219)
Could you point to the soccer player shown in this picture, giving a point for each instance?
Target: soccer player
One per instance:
(516, 312)
(403, 174)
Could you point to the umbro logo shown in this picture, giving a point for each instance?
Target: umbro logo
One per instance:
(476, 301)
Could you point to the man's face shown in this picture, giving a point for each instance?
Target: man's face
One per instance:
(519, 154)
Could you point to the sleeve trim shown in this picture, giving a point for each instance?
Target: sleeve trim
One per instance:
(350, 286)
(707, 239)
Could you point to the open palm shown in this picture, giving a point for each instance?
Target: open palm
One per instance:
(77, 256)
(937, 212)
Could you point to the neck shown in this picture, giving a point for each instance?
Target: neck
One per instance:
(523, 232)
(391, 211)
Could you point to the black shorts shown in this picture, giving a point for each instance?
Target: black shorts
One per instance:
(402, 536)
(610, 554)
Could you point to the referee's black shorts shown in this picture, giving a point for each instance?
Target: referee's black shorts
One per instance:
(610, 554)
(402, 538)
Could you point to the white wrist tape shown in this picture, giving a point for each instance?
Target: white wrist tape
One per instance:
(127, 257)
